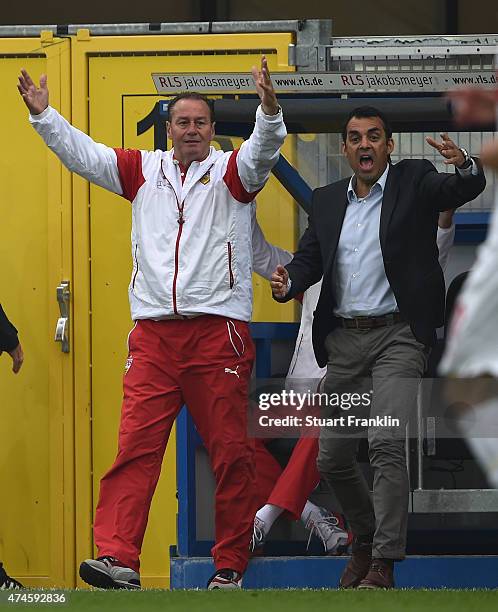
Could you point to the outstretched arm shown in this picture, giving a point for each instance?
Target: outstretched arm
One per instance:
(257, 155)
(444, 190)
(77, 151)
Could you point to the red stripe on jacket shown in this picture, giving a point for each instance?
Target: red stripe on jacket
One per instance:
(234, 184)
(130, 172)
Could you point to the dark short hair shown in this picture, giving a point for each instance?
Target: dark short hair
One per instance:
(191, 95)
(363, 112)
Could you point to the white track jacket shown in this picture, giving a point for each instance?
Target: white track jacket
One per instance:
(191, 242)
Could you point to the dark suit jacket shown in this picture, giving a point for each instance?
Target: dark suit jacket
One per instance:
(8, 333)
(414, 194)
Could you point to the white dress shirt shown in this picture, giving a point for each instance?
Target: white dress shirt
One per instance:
(360, 283)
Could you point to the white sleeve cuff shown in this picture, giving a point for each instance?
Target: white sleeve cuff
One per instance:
(269, 118)
(41, 115)
(471, 170)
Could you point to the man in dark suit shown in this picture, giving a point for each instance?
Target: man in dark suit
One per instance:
(9, 342)
(373, 238)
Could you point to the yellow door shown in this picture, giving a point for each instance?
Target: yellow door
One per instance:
(36, 431)
(112, 75)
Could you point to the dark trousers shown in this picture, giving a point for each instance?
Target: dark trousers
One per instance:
(388, 361)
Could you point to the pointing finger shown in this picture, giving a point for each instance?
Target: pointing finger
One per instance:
(433, 143)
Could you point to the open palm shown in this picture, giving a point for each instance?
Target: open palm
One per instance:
(35, 98)
(264, 88)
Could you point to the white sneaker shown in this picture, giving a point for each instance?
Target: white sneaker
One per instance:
(330, 529)
(225, 579)
(108, 573)
(258, 535)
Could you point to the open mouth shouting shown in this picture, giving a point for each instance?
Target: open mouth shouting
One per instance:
(366, 163)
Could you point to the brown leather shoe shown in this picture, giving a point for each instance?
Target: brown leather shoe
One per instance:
(380, 576)
(357, 567)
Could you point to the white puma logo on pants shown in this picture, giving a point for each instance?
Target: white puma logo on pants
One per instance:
(229, 371)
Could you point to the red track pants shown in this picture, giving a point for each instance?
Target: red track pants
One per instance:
(206, 363)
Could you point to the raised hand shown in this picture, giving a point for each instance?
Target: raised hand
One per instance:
(448, 149)
(278, 282)
(35, 98)
(264, 88)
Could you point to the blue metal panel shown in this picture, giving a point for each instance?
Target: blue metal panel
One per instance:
(263, 334)
(187, 439)
(472, 227)
(274, 331)
(324, 572)
(472, 218)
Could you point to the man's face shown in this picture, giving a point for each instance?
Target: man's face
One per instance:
(191, 130)
(366, 148)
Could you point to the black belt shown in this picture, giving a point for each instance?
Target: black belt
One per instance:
(371, 322)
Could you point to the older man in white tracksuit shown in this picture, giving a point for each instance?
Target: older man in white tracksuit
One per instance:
(191, 300)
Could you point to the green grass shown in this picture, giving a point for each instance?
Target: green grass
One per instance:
(271, 601)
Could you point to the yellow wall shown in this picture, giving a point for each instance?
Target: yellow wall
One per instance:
(36, 406)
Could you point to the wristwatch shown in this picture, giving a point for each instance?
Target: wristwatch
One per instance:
(468, 160)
